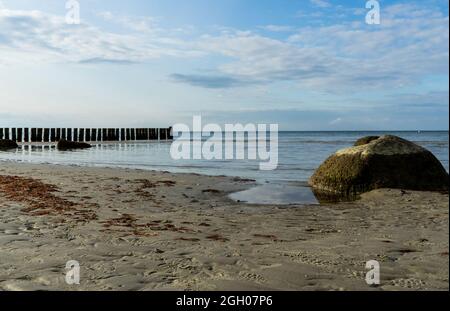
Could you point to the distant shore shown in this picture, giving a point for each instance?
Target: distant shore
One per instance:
(146, 230)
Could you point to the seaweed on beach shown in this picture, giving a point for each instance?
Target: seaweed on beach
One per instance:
(41, 200)
(146, 184)
(217, 237)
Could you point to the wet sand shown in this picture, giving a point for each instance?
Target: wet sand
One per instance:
(143, 230)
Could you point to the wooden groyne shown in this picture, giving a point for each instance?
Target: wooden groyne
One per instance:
(36, 135)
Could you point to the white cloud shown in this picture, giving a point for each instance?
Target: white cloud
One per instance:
(278, 28)
(320, 3)
(106, 15)
(336, 121)
(345, 57)
(34, 36)
(410, 43)
(140, 24)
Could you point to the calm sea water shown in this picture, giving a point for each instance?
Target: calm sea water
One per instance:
(300, 153)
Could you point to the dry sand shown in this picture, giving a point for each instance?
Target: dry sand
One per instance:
(143, 230)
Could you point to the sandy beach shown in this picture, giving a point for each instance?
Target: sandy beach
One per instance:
(145, 230)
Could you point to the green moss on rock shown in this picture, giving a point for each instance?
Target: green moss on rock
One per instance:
(386, 162)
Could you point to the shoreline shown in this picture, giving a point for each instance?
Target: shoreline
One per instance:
(135, 229)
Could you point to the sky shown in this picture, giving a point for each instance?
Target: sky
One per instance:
(303, 64)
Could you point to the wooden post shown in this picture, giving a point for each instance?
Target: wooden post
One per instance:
(122, 135)
(63, 134)
(81, 135)
(111, 134)
(52, 135)
(88, 134)
(58, 134)
(69, 134)
(99, 135)
(33, 135)
(137, 134)
(1, 133)
(75, 134)
(13, 134)
(128, 134)
(26, 135)
(39, 135)
(104, 134)
(46, 135)
(19, 135)
(94, 135)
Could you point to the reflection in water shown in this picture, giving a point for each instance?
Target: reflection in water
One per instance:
(276, 194)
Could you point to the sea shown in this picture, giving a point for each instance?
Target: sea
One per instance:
(299, 154)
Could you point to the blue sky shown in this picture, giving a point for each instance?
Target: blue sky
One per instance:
(307, 65)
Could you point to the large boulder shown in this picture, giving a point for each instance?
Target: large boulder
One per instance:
(383, 162)
(71, 145)
(6, 144)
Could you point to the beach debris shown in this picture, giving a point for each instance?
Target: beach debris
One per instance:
(215, 191)
(40, 199)
(266, 236)
(6, 144)
(384, 162)
(243, 180)
(71, 145)
(217, 237)
(146, 186)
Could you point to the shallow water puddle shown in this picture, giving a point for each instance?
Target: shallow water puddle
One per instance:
(276, 194)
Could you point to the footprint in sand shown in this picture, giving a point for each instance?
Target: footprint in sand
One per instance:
(309, 260)
(253, 277)
(410, 283)
(336, 266)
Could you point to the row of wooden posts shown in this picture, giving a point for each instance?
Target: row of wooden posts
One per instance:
(32, 135)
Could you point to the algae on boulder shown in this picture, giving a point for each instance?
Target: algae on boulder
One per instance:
(384, 162)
